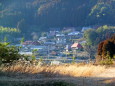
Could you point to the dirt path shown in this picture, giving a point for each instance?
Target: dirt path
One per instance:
(103, 79)
(109, 73)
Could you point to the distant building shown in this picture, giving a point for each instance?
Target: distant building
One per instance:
(43, 39)
(76, 46)
(25, 53)
(60, 35)
(31, 43)
(38, 47)
(75, 33)
(27, 43)
(49, 43)
(85, 28)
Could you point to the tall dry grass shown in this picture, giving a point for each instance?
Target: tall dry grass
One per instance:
(74, 70)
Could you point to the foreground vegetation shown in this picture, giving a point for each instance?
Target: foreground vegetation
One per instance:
(76, 70)
(39, 15)
(35, 83)
(61, 75)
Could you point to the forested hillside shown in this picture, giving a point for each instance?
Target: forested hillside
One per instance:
(39, 15)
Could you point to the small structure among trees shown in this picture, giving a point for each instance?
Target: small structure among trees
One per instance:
(77, 46)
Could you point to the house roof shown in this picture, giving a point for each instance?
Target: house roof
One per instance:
(38, 47)
(60, 35)
(74, 33)
(31, 43)
(76, 45)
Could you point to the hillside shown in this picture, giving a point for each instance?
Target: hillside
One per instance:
(39, 15)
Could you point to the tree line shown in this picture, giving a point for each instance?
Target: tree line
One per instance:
(39, 15)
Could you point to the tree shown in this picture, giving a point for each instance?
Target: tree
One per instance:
(8, 53)
(8, 34)
(106, 49)
(90, 36)
(91, 50)
(94, 37)
(22, 40)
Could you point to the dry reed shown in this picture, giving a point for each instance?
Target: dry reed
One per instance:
(74, 70)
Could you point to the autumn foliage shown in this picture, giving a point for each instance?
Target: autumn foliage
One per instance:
(106, 49)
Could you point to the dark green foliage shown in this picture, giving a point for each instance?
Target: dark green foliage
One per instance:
(39, 15)
(90, 36)
(8, 34)
(94, 37)
(8, 53)
(101, 12)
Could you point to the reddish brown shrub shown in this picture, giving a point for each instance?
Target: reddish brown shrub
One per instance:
(107, 47)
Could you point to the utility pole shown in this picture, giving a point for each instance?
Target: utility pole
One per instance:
(48, 52)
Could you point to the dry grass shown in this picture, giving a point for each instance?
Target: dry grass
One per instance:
(74, 70)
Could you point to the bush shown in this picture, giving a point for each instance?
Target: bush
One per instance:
(8, 53)
(107, 62)
(106, 49)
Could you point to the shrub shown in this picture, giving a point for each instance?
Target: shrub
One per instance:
(107, 62)
(106, 50)
(8, 53)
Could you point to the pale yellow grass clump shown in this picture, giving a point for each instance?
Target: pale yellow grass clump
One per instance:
(74, 70)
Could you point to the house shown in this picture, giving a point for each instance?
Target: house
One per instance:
(27, 43)
(42, 50)
(77, 46)
(75, 33)
(25, 53)
(60, 39)
(56, 62)
(53, 31)
(31, 43)
(35, 43)
(38, 47)
(49, 43)
(73, 36)
(82, 42)
(67, 48)
(60, 35)
(43, 39)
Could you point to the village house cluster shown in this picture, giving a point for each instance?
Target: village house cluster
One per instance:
(56, 44)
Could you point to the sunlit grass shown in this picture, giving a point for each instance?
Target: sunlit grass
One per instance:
(74, 70)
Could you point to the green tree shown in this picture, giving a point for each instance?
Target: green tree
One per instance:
(22, 40)
(8, 53)
(94, 37)
(90, 36)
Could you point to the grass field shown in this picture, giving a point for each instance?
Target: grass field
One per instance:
(61, 75)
